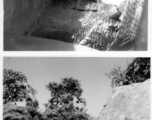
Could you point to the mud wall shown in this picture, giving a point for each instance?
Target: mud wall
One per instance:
(131, 102)
(21, 15)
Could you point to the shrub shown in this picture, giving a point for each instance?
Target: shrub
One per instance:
(137, 71)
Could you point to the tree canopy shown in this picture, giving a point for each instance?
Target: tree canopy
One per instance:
(138, 70)
(66, 102)
(16, 88)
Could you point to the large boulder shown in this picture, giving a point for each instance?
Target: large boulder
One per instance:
(131, 102)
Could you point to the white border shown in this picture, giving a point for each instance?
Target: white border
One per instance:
(72, 54)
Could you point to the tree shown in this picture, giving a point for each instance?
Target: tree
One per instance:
(16, 88)
(32, 103)
(66, 101)
(13, 112)
(117, 75)
(137, 71)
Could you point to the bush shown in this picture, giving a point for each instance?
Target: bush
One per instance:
(13, 112)
(137, 71)
(16, 88)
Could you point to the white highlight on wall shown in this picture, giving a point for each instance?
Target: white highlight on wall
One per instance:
(115, 2)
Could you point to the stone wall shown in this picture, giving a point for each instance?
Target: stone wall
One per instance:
(21, 15)
(130, 102)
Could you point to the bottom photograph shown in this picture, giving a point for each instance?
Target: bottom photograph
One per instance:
(76, 88)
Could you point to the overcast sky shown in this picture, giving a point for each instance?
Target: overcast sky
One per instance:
(90, 72)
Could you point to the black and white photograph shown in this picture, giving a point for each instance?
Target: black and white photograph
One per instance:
(76, 88)
(75, 25)
(75, 59)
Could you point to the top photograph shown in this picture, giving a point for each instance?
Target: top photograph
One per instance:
(75, 25)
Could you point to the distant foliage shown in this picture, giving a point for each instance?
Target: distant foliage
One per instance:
(16, 88)
(66, 102)
(137, 71)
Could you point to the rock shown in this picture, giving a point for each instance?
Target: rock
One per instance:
(20, 15)
(131, 102)
(27, 43)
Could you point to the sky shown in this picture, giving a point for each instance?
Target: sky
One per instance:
(89, 71)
